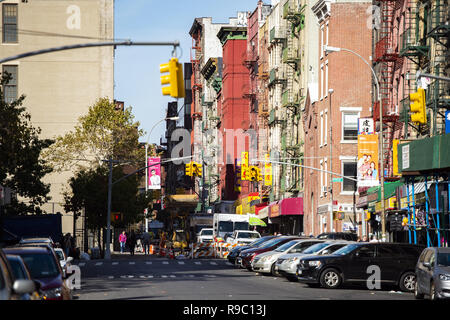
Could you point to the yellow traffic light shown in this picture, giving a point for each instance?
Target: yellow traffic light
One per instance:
(255, 173)
(174, 79)
(189, 169)
(197, 169)
(418, 106)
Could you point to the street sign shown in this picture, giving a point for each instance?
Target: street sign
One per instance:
(338, 179)
(447, 122)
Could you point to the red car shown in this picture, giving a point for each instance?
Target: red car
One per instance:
(247, 256)
(44, 267)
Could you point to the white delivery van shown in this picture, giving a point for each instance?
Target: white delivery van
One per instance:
(226, 223)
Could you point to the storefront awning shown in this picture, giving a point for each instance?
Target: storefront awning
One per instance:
(286, 207)
(184, 200)
(264, 212)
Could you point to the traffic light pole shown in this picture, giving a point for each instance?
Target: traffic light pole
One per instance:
(89, 45)
(110, 185)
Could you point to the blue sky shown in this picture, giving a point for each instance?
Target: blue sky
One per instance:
(137, 77)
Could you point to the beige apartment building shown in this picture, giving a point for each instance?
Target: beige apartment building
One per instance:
(59, 86)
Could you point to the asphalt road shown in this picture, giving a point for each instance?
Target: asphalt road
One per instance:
(154, 278)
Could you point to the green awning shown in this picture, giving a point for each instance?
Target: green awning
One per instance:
(389, 189)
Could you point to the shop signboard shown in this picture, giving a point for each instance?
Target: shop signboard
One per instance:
(154, 173)
(267, 171)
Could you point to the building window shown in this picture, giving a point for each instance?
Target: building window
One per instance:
(350, 126)
(349, 170)
(10, 89)
(325, 134)
(326, 79)
(321, 178)
(322, 82)
(321, 129)
(9, 23)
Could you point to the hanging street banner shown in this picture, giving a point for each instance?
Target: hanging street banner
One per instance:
(154, 173)
(267, 171)
(368, 169)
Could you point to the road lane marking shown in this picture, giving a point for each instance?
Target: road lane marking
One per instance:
(131, 262)
(148, 262)
(197, 262)
(213, 263)
(165, 262)
(180, 262)
(82, 264)
(99, 263)
(115, 263)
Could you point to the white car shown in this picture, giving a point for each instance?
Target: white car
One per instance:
(286, 265)
(265, 262)
(243, 236)
(205, 235)
(63, 260)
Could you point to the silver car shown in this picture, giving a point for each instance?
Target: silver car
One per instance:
(265, 262)
(286, 264)
(433, 274)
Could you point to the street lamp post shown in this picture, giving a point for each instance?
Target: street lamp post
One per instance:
(146, 158)
(383, 212)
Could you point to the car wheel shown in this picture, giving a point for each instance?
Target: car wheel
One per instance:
(273, 271)
(408, 281)
(330, 279)
(433, 291)
(417, 295)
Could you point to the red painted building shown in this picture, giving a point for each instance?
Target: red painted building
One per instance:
(233, 108)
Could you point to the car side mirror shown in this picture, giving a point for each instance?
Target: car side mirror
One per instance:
(24, 286)
(427, 265)
(325, 252)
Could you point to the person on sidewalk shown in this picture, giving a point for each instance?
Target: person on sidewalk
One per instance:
(122, 241)
(132, 242)
(146, 242)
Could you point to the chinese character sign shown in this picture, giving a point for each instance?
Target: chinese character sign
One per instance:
(268, 171)
(245, 171)
(154, 173)
(368, 170)
(365, 126)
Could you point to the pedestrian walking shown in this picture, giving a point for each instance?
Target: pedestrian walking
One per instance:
(67, 243)
(146, 242)
(132, 242)
(122, 241)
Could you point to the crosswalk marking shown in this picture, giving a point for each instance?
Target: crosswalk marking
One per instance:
(180, 262)
(197, 262)
(213, 263)
(131, 262)
(115, 263)
(82, 264)
(148, 262)
(165, 262)
(99, 263)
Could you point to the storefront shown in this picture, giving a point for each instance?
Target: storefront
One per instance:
(286, 216)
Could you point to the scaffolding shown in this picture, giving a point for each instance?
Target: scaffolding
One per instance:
(431, 217)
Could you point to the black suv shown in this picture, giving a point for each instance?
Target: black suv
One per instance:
(349, 236)
(366, 263)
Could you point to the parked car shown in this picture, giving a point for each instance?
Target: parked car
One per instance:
(21, 271)
(243, 236)
(348, 236)
(265, 262)
(234, 253)
(246, 257)
(31, 241)
(357, 262)
(286, 264)
(45, 268)
(10, 287)
(63, 260)
(433, 274)
(205, 235)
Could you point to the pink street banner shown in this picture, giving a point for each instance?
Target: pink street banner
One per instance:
(154, 173)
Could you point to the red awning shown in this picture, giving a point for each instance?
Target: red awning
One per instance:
(291, 206)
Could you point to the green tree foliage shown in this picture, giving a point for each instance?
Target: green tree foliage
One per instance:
(104, 132)
(89, 190)
(21, 165)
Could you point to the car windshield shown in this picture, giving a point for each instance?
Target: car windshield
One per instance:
(272, 243)
(346, 250)
(60, 254)
(17, 269)
(248, 235)
(316, 247)
(226, 226)
(259, 242)
(443, 259)
(40, 265)
(207, 233)
(241, 226)
(286, 246)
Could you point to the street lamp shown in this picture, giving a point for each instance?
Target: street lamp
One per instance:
(146, 157)
(329, 49)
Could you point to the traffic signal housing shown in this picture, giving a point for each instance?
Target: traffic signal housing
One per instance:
(116, 216)
(197, 169)
(189, 171)
(173, 77)
(418, 106)
(255, 173)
